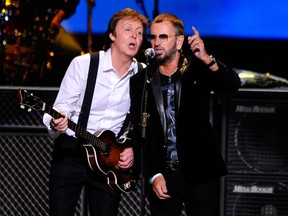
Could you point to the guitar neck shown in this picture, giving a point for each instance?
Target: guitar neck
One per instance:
(79, 131)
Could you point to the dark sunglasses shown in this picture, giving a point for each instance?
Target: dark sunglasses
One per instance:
(162, 37)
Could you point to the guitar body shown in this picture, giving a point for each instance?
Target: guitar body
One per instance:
(98, 160)
(102, 148)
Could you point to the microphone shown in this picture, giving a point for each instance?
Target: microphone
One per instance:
(150, 52)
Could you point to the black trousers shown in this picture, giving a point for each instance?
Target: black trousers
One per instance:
(199, 199)
(69, 173)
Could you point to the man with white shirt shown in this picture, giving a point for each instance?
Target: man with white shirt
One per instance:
(70, 169)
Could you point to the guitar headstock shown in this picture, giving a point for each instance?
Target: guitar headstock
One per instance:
(28, 101)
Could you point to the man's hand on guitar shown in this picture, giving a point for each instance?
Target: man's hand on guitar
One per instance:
(126, 158)
(105, 153)
(60, 124)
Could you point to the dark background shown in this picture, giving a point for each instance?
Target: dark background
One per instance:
(259, 55)
(246, 34)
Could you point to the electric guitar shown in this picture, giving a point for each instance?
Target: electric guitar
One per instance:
(102, 148)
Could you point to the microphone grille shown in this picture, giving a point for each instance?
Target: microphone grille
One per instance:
(150, 52)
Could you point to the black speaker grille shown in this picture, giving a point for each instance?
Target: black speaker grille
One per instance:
(257, 138)
(11, 114)
(25, 163)
(256, 196)
(26, 150)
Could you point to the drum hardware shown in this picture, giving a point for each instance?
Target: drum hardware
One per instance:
(28, 47)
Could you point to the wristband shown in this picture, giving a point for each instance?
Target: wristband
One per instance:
(212, 61)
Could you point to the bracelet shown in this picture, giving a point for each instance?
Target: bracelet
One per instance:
(212, 61)
(153, 177)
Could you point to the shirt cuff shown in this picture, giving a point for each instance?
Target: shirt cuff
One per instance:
(152, 178)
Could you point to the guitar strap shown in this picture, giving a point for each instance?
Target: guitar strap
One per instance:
(91, 80)
(126, 124)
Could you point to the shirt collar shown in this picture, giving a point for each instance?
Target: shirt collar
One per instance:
(107, 63)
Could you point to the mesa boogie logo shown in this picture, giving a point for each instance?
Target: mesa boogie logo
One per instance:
(253, 189)
(255, 109)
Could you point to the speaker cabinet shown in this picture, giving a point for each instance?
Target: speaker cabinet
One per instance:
(255, 147)
(26, 151)
(256, 196)
(25, 155)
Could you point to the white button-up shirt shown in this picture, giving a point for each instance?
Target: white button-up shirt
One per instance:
(111, 98)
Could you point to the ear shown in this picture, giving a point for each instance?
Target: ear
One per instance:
(112, 37)
(180, 41)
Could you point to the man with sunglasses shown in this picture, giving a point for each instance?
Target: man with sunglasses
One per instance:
(184, 163)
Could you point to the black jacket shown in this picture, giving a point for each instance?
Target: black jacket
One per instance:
(198, 152)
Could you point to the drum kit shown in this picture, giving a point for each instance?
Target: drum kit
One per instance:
(26, 45)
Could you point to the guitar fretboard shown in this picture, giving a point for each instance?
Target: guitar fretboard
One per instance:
(79, 131)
